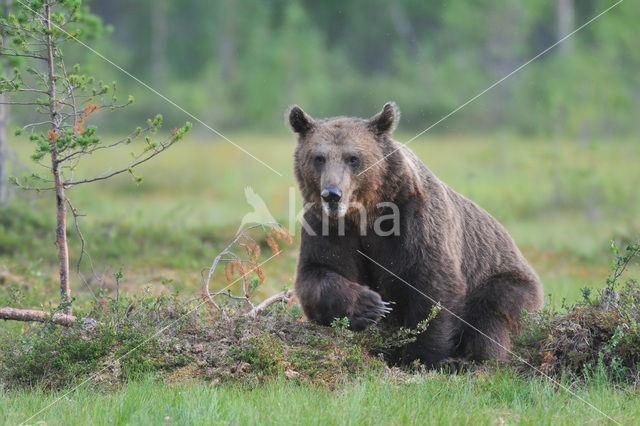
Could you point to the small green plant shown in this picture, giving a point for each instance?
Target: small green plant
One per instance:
(261, 353)
(385, 339)
(118, 276)
(341, 327)
(586, 295)
(341, 332)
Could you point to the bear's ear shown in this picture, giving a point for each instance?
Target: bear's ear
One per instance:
(386, 120)
(299, 121)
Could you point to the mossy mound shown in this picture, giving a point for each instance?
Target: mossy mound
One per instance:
(179, 342)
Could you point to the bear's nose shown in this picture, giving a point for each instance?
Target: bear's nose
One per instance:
(331, 195)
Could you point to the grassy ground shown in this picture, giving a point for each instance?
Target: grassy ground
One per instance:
(436, 399)
(562, 201)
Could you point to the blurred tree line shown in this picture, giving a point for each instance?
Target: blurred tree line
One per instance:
(237, 64)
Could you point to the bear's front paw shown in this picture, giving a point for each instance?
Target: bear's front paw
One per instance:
(368, 309)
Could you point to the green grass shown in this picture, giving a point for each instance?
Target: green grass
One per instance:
(563, 201)
(499, 398)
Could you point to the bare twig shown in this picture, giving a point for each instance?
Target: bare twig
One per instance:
(244, 266)
(126, 139)
(24, 103)
(141, 159)
(83, 251)
(283, 297)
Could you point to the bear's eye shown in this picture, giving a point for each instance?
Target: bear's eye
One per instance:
(353, 161)
(318, 160)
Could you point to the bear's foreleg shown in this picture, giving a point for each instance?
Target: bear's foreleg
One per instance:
(326, 295)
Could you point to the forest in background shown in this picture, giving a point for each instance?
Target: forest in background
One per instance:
(237, 64)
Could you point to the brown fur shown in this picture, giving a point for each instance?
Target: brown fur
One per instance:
(448, 247)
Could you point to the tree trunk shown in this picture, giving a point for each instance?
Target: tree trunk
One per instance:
(402, 24)
(4, 117)
(227, 38)
(4, 121)
(61, 235)
(564, 22)
(61, 205)
(159, 36)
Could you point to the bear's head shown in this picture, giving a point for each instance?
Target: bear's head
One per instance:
(341, 163)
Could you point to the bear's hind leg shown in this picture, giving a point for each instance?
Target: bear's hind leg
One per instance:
(433, 346)
(493, 311)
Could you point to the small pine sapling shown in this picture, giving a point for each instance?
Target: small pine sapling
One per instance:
(64, 99)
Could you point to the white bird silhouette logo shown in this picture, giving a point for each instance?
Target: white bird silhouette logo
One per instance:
(260, 213)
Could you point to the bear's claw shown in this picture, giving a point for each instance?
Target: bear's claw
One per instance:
(368, 310)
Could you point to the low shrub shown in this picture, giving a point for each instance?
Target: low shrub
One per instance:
(596, 337)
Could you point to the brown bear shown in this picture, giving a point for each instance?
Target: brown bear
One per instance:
(383, 235)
